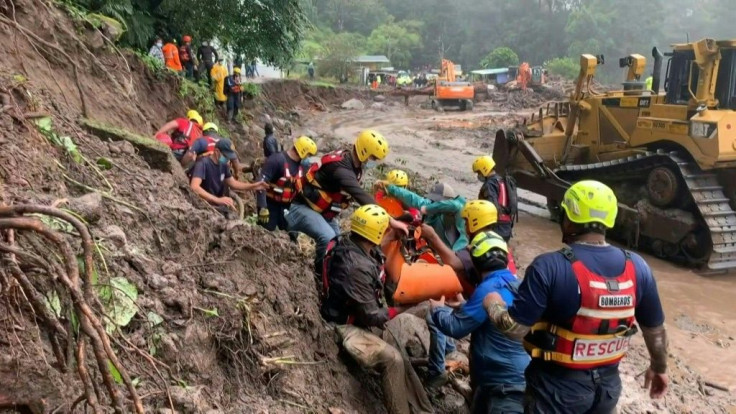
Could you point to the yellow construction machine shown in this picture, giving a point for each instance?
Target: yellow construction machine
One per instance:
(670, 157)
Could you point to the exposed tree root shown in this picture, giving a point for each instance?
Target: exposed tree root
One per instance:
(83, 299)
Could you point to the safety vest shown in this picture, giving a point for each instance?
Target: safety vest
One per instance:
(600, 333)
(184, 53)
(503, 202)
(283, 190)
(180, 138)
(329, 204)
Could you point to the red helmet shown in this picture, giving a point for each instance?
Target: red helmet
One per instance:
(186, 38)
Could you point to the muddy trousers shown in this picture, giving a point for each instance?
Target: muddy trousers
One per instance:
(233, 106)
(551, 389)
(401, 386)
(303, 219)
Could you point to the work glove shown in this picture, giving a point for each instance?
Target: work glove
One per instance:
(263, 216)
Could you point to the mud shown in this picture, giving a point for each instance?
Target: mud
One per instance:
(701, 314)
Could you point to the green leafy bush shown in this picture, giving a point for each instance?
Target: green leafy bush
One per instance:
(565, 67)
(500, 57)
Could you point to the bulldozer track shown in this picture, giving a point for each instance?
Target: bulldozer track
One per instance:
(707, 195)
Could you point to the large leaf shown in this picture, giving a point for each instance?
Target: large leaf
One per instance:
(53, 303)
(118, 298)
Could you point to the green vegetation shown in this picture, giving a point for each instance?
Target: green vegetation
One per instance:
(270, 30)
(501, 57)
(565, 67)
(251, 89)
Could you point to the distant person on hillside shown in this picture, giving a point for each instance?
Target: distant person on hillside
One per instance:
(171, 56)
(270, 144)
(234, 92)
(207, 56)
(218, 74)
(310, 70)
(186, 57)
(157, 50)
(211, 178)
(254, 68)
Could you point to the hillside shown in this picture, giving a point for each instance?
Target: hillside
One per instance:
(225, 316)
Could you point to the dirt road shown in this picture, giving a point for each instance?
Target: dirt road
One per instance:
(701, 311)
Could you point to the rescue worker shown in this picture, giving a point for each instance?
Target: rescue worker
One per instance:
(441, 209)
(329, 186)
(270, 144)
(157, 50)
(218, 74)
(254, 68)
(576, 311)
(171, 56)
(207, 56)
(310, 70)
(497, 363)
(280, 171)
(180, 133)
(649, 81)
(186, 57)
(353, 292)
(211, 178)
(210, 136)
(394, 177)
(233, 90)
(496, 190)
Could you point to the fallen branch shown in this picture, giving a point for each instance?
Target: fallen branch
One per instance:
(716, 386)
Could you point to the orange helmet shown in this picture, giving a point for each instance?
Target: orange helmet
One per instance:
(186, 38)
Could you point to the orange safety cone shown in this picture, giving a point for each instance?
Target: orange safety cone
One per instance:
(422, 281)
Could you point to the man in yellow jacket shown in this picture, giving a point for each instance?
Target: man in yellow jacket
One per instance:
(218, 74)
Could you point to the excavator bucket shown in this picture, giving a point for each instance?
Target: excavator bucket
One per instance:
(423, 281)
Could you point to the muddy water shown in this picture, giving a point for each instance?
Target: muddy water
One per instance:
(701, 311)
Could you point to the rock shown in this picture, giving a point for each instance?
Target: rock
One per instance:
(171, 268)
(121, 147)
(378, 106)
(309, 133)
(379, 98)
(156, 281)
(142, 264)
(89, 206)
(168, 346)
(251, 290)
(352, 104)
(189, 399)
(115, 235)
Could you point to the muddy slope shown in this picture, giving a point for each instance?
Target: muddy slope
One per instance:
(226, 316)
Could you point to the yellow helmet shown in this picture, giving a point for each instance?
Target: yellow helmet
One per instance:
(488, 250)
(483, 165)
(305, 146)
(371, 143)
(236, 70)
(192, 114)
(210, 125)
(370, 222)
(590, 201)
(479, 214)
(398, 178)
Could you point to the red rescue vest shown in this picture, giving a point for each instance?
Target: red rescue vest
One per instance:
(283, 190)
(329, 204)
(503, 202)
(180, 138)
(184, 53)
(600, 332)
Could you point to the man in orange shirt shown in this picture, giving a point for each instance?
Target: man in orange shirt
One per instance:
(171, 56)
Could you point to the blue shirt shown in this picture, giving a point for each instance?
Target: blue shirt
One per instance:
(494, 358)
(550, 290)
(213, 175)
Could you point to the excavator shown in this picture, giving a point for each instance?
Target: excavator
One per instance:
(530, 76)
(670, 156)
(449, 92)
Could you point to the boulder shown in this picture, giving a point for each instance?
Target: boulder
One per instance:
(115, 235)
(378, 106)
(89, 206)
(352, 104)
(379, 98)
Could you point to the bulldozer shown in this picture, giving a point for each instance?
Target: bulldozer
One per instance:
(449, 92)
(670, 156)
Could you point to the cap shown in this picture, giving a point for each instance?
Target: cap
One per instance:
(226, 148)
(200, 146)
(441, 191)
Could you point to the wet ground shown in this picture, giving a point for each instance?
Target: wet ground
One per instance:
(701, 311)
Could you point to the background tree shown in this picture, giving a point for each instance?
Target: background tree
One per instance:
(501, 57)
(396, 41)
(340, 50)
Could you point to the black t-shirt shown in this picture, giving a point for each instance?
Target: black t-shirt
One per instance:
(343, 176)
(213, 175)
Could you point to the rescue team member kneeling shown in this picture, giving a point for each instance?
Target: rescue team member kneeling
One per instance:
(576, 310)
(353, 292)
(180, 133)
(497, 363)
(211, 177)
(280, 171)
(329, 186)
